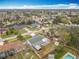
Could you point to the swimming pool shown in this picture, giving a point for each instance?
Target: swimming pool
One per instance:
(68, 57)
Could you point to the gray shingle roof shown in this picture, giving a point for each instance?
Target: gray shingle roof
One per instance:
(36, 40)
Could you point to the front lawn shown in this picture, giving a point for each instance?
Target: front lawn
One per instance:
(27, 37)
(22, 31)
(12, 40)
(13, 33)
(9, 34)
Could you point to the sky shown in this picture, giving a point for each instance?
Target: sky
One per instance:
(39, 4)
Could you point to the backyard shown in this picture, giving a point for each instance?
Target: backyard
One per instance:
(61, 51)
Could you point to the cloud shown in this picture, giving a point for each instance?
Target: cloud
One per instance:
(54, 6)
(73, 6)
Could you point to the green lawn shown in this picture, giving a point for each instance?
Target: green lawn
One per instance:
(15, 32)
(0, 35)
(12, 40)
(6, 36)
(9, 34)
(22, 31)
(16, 40)
(27, 37)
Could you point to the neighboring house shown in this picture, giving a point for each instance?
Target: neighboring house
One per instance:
(51, 56)
(18, 27)
(37, 41)
(10, 49)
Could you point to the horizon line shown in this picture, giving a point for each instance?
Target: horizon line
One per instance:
(53, 6)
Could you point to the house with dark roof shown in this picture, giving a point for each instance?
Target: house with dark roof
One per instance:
(37, 41)
(41, 45)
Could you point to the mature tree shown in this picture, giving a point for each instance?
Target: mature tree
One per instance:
(20, 37)
(75, 19)
(57, 20)
(74, 41)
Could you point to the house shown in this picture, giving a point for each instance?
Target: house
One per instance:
(18, 27)
(41, 45)
(10, 49)
(37, 41)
